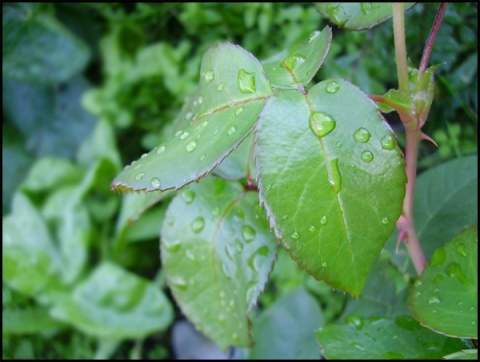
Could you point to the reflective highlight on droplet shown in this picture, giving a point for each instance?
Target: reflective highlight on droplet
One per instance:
(295, 235)
(361, 135)
(191, 146)
(198, 224)
(139, 176)
(231, 131)
(314, 36)
(160, 150)
(155, 182)
(322, 124)
(324, 220)
(246, 81)
(366, 156)
(208, 76)
(293, 62)
(248, 233)
(388, 143)
(332, 87)
(334, 175)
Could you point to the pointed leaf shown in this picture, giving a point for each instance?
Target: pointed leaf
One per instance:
(115, 303)
(232, 92)
(357, 16)
(217, 252)
(300, 64)
(445, 296)
(332, 199)
(379, 338)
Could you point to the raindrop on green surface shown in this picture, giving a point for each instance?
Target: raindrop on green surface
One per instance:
(366, 156)
(321, 124)
(438, 258)
(220, 87)
(180, 283)
(418, 283)
(293, 62)
(248, 233)
(455, 270)
(334, 175)
(238, 111)
(238, 245)
(173, 246)
(295, 235)
(324, 220)
(139, 176)
(231, 131)
(160, 150)
(385, 221)
(312, 228)
(324, 264)
(191, 146)
(246, 81)
(314, 36)
(461, 250)
(355, 321)
(438, 278)
(184, 135)
(200, 100)
(388, 143)
(332, 87)
(137, 166)
(208, 76)
(155, 182)
(433, 300)
(361, 135)
(188, 196)
(198, 224)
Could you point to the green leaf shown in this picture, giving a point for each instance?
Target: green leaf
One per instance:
(38, 48)
(470, 354)
(31, 264)
(445, 202)
(357, 16)
(379, 338)
(114, 303)
(445, 296)
(239, 164)
(28, 321)
(285, 330)
(232, 92)
(332, 180)
(217, 252)
(300, 64)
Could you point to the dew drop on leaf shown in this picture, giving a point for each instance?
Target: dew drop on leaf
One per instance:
(418, 283)
(144, 155)
(361, 135)
(461, 250)
(246, 81)
(155, 182)
(438, 258)
(385, 221)
(190, 255)
(188, 196)
(321, 123)
(295, 235)
(387, 142)
(312, 228)
(191, 146)
(438, 278)
(367, 8)
(248, 233)
(355, 321)
(180, 283)
(231, 131)
(366, 156)
(455, 270)
(198, 224)
(314, 36)
(173, 246)
(433, 300)
(334, 175)
(160, 150)
(137, 166)
(238, 245)
(293, 62)
(216, 211)
(324, 264)
(324, 220)
(139, 176)
(184, 135)
(332, 87)
(220, 87)
(208, 76)
(238, 111)
(200, 100)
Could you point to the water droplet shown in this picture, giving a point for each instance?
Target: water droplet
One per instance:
(324, 264)
(160, 150)
(321, 123)
(188, 196)
(235, 336)
(178, 133)
(459, 302)
(324, 220)
(438, 258)
(173, 246)
(335, 177)
(295, 235)
(137, 166)
(208, 76)
(438, 278)
(455, 270)
(200, 100)
(231, 131)
(198, 224)
(246, 81)
(357, 346)
(139, 176)
(248, 233)
(354, 321)
(285, 217)
(238, 111)
(184, 135)
(367, 8)
(180, 283)
(367, 156)
(216, 211)
(238, 245)
(191, 146)
(461, 250)
(361, 135)
(312, 228)
(471, 309)
(314, 36)
(385, 221)
(433, 300)
(339, 144)
(418, 283)
(293, 62)
(220, 87)
(221, 318)
(190, 255)
(155, 182)
(435, 290)
(332, 87)
(388, 143)
(269, 187)
(335, 14)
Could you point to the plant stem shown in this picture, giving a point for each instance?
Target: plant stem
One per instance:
(431, 38)
(400, 49)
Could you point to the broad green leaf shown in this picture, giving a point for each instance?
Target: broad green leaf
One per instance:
(232, 93)
(39, 48)
(384, 293)
(217, 252)
(445, 297)
(469, 354)
(114, 303)
(357, 16)
(445, 202)
(286, 329)
(28, 321)
(31, 264)
(332, 180)
(300, 64)
(380, 338)
(239, 164)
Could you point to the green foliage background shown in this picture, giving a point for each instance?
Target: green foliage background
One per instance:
(87, 88)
